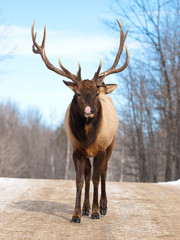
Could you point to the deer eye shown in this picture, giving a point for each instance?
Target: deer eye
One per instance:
(78, 94)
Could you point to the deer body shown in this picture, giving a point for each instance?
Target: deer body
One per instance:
(91, 124)
(106, 131)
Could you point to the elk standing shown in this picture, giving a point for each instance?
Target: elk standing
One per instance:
(91, 124)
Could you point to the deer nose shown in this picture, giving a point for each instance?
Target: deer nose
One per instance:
(87, 110)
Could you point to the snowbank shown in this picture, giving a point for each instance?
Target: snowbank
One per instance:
(177, 182)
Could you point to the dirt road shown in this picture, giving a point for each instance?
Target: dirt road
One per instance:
(42, 209)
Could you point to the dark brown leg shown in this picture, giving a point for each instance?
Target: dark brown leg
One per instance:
(97, 167)
(79, 163)
(86, 205)
(103, 200)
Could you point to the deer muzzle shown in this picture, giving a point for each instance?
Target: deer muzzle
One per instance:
(89, 112)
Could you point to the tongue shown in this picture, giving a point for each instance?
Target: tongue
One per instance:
(87, 110)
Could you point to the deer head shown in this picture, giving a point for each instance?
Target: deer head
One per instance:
(86, 91)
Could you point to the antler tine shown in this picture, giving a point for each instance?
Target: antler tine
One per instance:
(122, 40)
(117, 70)
(44, 38)
(35, 50)
(118, 55)
(96, 75)
(41, 50)
(79, 72)
(75, 78)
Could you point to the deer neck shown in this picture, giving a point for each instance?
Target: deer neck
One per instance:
(85, 129)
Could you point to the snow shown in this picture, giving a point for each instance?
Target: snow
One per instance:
(175, 183)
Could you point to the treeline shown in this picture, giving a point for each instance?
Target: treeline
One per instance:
(31, 149)
(28, 148)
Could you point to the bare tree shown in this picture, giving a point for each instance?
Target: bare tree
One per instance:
(153, 85)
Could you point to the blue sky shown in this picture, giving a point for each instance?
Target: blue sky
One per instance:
(74, 32)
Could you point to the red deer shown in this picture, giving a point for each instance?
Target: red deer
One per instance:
(91, 124)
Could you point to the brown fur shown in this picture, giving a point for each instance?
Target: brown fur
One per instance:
(91, 137)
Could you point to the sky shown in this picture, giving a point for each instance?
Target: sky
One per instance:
(75, 32)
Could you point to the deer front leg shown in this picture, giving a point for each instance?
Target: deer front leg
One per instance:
(87, 174)
(79, 163)
(97, 167)
(103, 200)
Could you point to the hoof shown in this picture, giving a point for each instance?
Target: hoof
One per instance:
(76, 220)
(95, 216)
(85, 213)
(103, 211)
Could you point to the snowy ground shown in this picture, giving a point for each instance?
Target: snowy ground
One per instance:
(176, 183)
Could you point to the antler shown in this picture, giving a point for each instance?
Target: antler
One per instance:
(100, 77)
(41, 50)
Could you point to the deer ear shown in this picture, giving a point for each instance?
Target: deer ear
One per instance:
(108, 88)
(71, 85)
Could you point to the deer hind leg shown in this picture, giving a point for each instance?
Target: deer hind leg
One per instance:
(87, 174)
(103, 200)
(97, 167)
(79, 163)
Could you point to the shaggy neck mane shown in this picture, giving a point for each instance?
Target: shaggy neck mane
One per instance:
(84, 129)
